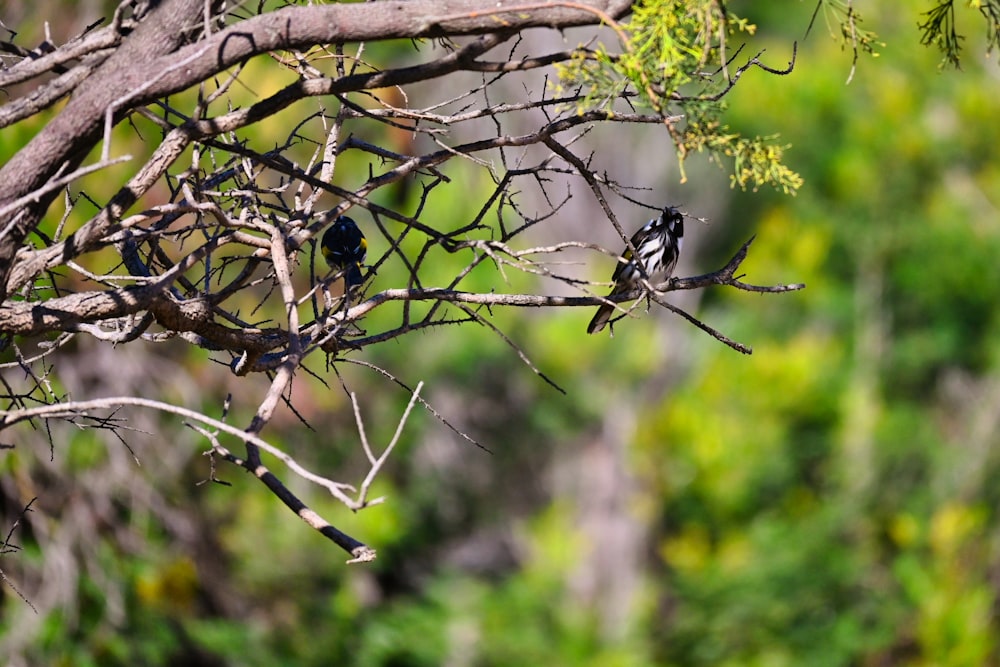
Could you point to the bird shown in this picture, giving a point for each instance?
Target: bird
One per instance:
(345, 247)
(657, 246)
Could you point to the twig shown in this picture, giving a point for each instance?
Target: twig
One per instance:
(358, 550)
(6, 547)
(376, 464)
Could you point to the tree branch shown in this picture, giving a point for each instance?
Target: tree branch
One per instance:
(74, 409)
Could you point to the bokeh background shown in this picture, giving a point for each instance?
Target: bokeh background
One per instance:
(829, 500)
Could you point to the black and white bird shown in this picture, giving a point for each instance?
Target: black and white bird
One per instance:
(657, 248)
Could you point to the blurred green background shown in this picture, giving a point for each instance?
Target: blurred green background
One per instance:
(825, 501)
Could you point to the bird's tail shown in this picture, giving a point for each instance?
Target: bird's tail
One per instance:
(352, 277)
(604, 313)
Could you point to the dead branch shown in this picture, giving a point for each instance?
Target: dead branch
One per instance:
(220, 251)
(82, 409)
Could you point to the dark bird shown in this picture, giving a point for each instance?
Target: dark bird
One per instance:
(344, 247)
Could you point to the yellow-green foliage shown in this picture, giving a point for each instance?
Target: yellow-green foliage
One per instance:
(672, 57)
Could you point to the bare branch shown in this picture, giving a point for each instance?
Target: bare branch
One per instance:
(7, 547)
(73, 409)
(218, 238)
(723, 276)
(377, 463)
